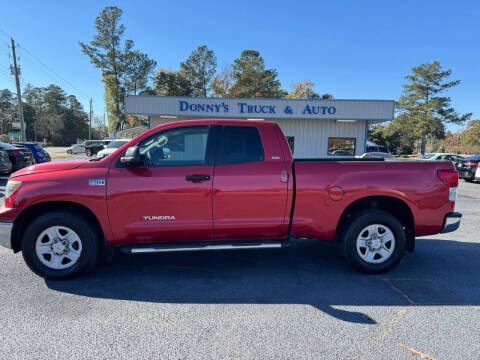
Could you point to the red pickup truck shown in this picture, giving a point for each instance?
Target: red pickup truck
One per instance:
(221, 184)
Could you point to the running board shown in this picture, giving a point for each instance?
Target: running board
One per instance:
(175, 247)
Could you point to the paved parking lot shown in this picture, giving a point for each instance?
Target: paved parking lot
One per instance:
(301, 302)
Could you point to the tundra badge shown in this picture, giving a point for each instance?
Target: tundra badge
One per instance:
(161, 217)
(99, 182)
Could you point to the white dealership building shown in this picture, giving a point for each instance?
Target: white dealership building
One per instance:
(314, 128)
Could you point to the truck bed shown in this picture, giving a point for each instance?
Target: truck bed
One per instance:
(325, 187)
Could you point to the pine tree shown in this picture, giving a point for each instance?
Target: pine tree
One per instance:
(425, 109)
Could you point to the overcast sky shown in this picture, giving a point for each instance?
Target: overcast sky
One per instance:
(351, 49)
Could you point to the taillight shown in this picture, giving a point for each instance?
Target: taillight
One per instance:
(449, 177)
(16, 153)
(471, 163)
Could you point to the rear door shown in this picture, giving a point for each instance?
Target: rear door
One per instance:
(250, 184)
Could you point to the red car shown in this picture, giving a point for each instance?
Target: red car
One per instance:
(221, 184)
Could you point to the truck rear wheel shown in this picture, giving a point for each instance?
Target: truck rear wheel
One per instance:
(60, 245)
(373, 241)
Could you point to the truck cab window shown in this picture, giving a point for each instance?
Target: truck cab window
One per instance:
(239, 145)
(184, 146)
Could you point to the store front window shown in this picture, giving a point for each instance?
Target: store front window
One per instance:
(341, 146)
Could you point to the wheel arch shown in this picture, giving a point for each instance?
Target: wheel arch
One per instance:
(30, 213)
(388, 204)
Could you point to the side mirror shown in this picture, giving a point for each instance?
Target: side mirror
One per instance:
(132, 157)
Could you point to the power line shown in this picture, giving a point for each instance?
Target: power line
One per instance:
(49, 69)
(70, 88)
(53, 72)
(5, 33)
(5, 72)
(6, 78)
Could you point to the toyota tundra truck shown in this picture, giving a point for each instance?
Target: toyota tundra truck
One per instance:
(221, 185)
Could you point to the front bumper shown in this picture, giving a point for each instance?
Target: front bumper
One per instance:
(451, 222)
(6, 234)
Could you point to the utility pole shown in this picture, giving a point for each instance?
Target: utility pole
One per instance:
(15, 71)
(90, 125)
(35, 125)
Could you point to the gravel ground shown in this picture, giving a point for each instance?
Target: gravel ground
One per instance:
(300, 302)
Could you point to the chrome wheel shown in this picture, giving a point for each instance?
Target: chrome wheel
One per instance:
(375, 244)
(58, 247)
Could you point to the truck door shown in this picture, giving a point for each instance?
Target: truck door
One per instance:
(169, 197)
(250, 184)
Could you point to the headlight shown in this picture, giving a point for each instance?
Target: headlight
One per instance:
(11, 187)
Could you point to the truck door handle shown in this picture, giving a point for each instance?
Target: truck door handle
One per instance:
(197, 177)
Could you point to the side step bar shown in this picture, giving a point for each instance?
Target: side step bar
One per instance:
(201, 246)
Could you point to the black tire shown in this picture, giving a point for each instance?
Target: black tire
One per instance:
(69, 152)
(468, 180)
(88, 152)
(89, 238)
(357, 224)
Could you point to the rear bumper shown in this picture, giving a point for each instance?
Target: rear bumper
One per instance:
(451, 222)
(6, 234)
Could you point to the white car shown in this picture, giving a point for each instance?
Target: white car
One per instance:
(111, 147)
(477, 174)
(441, 156)
(76, 149)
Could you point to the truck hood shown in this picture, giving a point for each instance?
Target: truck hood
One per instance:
(48, 167)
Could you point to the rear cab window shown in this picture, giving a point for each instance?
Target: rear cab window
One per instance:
(239, 145)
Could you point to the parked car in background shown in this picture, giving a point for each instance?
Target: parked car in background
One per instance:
(376, 155)
(111, 147)
(5, 163)
(468, 167)
(372, 147)
(94, 146)
(455, 158)
(76, 149)
(20, 157)
(40, 155)
(442, 157)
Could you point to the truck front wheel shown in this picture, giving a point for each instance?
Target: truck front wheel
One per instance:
(373, 241)
(60, 245)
